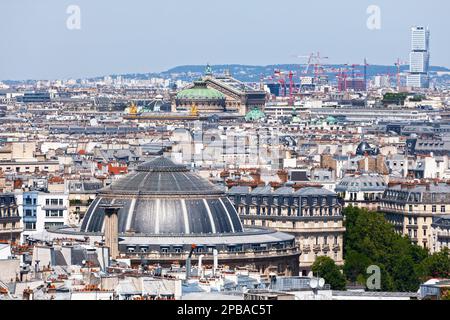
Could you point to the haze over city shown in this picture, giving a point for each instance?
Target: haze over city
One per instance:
(152, 36)
(241, 152)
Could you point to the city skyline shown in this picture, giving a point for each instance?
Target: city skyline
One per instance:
(152, 37)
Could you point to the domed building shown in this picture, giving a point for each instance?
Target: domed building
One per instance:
(365, 148)
(162, 209)
(207, 100)
(255, 115)
(219, 93)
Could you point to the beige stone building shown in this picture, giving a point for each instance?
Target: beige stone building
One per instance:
(23, 158)
(219, 93)
(81, 194)
(313, 215)
(361, 190)
(412, 207)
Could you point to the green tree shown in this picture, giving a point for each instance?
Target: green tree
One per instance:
(370, 239)
(436, 265)
(403, 274)
(326, 268)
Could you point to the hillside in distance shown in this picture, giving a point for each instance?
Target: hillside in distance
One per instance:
(253, 73)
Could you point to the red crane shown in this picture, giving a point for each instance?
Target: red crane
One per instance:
(280, 75)
(342, 78)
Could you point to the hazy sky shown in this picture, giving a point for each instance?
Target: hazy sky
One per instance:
(150, 35)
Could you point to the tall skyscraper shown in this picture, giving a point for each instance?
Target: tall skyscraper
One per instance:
(419, 58)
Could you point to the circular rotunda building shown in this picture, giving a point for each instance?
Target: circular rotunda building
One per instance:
(162, 209)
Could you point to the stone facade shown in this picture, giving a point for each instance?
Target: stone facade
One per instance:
(411, 209)
(312, 215)
(10, 228)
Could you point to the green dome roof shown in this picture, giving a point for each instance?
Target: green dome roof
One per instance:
(295, 119)
(331, 120)
(200, 91)
(254, 115)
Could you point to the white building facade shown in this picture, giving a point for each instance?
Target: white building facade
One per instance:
(419, 58)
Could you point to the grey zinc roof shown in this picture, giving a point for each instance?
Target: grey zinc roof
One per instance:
(284, 190)
(313, 191)
(262, 190)
(361, 183)
(239, 189)
(161, 197)
(161, 176)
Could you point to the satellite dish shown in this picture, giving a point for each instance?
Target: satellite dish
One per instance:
(321, 282)
(313, 283)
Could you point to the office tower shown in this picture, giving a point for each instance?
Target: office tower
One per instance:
(419, 58)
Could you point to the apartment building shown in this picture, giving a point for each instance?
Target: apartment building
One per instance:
(42, 210)
(313, 215)
(412, 207)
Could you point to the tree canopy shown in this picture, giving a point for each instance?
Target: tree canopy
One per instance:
(326, 268)
(371, 240)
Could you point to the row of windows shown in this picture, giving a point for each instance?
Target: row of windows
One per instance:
(433, 208)
(8, 212)
(35, 169)
(30, 213)
(5, 225)
(54, 213)
(54, 202)
(30, 201)
(413, 233)
(267, 211)
(7, 200)
(325, 239)
(209, 249)
(48, 225)
(30, 226)
(284, 200)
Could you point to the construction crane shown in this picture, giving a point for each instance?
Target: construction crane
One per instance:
(353, 68)
(313, 59)
(291, 86)
(365, 74)
(318, 68)
(342, 78)
(356, 74)
(308, 64)
(281, 80)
